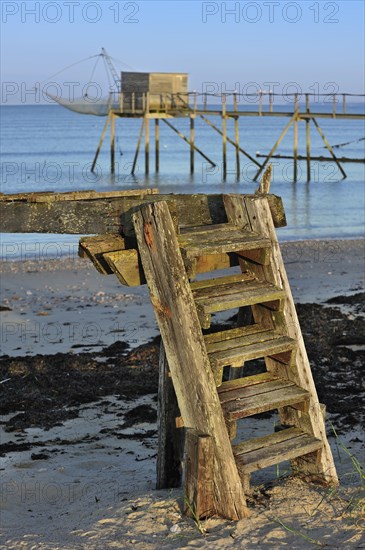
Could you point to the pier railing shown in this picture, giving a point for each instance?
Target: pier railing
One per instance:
(262, 103)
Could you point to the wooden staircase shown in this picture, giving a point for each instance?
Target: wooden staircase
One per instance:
(274, 335)
(206, 366)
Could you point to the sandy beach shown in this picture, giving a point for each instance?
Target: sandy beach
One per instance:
(79, 436)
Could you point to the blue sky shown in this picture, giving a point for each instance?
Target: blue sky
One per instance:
(310, 43)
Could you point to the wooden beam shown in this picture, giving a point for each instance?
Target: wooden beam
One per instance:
(170, 438)
(329, 147)
(112, 143)
(157, 145)
(308, 138)
(224, 136)
(188, 142)
(95, 247)
(126, 265)
(138, 148)
(276, 145)
(192, 139)
(198, 494)
(100, 142)
(192, 376)
(99, 213)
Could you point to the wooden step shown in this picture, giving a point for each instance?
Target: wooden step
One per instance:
(255, 454)
(217, 239)
(243, 347)
(226, 293)
(240, 399)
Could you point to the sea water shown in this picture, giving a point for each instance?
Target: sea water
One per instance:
(48, 148)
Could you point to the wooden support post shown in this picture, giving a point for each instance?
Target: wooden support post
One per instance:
(205, 102)
(224, 135)
(192, 138)
(157, 145)
(198, 494)
(138, 148)
(329, 147)
(147, 133)
(236, 129)
(170, 437)
(186, 353)
(260, 103)
(308, 137)
(271, 101)
(276, 145)
(100, 142)
(112, 143)
(296, 121)
(334, 101)
(188, 141)
(344, 104)
(147, 145)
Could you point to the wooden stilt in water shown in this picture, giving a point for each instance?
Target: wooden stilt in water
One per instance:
(147, 145)
(147, 133)
(188, 141)
(295, 175)
(282, 135)
(329, 147)
(237, 137)
(112, 143)
(308, 138)
(100, 143)
(157, 145)
(138, 148)
(192, 138)
(224, 135)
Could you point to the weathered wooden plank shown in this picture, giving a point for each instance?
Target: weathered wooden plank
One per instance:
(261, 221)
(246, 381)
(236, 354)
(198, 494)
(210, 285)
(170, 437)
(242, 393)
(100, 213)
(259, 255)
(247, 337)
(265, 441)
(213, 262)
(237, 295)
(264, 402)
(274, 449)
(126, 264)
(192, 377)
(94, 248)
(215, 242)
(223, 335)
(75, 195)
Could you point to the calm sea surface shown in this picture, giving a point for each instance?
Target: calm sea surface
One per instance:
(50, 148)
